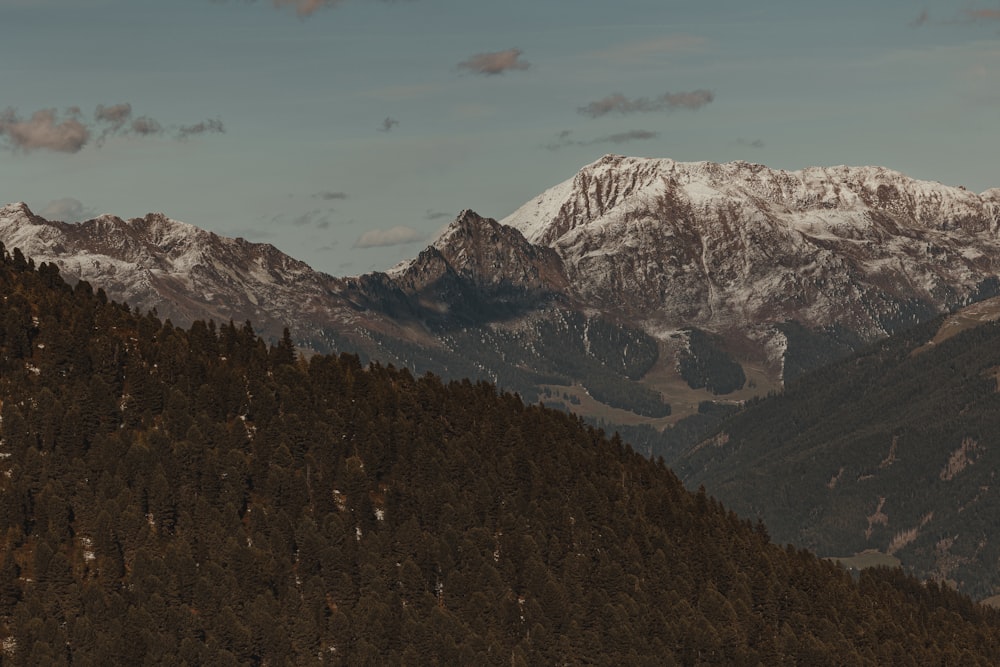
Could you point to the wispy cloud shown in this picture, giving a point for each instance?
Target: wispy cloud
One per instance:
(497, 62)
(113, 117)
(398, 235)
(618, 103)
(329, 195)
(211, 126)
(437, 215)
(43, 130)
(751, 143)
(66, 209)
(316, 218)
(564, 139)
(921, 19)
(46, 130)
(387, 124)
(145, 126)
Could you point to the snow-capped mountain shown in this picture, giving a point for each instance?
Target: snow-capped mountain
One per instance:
(186, 273)
(740, 247)
(601, 289)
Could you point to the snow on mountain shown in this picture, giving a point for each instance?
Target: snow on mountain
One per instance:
(732, 247)
(773, 265)
(486, 254)
(187, 273)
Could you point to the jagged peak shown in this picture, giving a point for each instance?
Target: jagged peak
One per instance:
(465, 228)
(467, 215)
(15, 208)
(616, 187)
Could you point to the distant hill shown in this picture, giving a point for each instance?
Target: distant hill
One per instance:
(195, 495)
(895, 449)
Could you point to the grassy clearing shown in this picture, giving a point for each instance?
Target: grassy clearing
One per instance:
(664, 378)
(966, 318)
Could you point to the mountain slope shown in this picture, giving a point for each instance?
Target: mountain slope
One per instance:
(194, 496)
(895, 450)
(670, 282)
(738, 248)
(187, 274)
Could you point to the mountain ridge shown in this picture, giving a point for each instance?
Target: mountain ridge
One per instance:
(781, 270)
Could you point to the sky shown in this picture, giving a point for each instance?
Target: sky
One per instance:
(349, 133)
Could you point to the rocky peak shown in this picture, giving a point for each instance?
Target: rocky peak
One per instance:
(488, 255)
(622, 188)
(735, 246)
(16, 209)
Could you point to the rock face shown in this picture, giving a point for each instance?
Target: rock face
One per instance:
(741, 248)
(780, 270)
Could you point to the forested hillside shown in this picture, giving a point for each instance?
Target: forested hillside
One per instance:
(193, 496)
(896, 449)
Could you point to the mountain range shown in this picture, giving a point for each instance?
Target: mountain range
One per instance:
(643, 291)
(174, 496)
(633, 292)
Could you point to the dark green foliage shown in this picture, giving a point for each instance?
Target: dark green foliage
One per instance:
(860, 454)
(215, 501)
(629, 351)
(808, 349)
(562, 348)
(676, 439)
(704, 364)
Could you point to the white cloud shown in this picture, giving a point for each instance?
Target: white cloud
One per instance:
(43, 130)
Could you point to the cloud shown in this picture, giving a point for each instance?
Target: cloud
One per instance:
(66, 209)
(213, 126)
(398, 235)
(563, 139)
(145, 126)
(388, 124)
(328, 195)
(493, 63)
(314, 218)
(115, 116)
(118, 121)
(436, 215)
(755, 143)
(43, 130)
(920, 20)
(616, 102)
